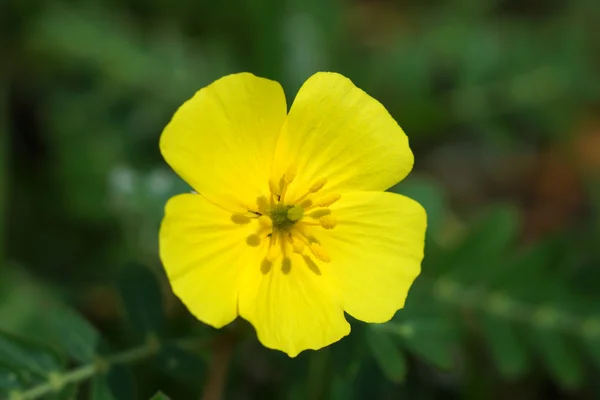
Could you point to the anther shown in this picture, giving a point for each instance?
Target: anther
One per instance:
(265, 266)
(319, 252)
(290, 174)
(262, 204)
(286, 265)
(328, 222)
(327, 200)
(320, 213)
(295, 213)
(306, 203)
(265, 222)
(240, 219)
(253, 240)
(318, 185)
(274, 187)
(298, 246)
(312, 265)
(273, 253)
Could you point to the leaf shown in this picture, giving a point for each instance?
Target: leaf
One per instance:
(591, 341)
(558, 357)
(69, 392)
(10, 379)
(4, 162)
(480, 253)
(506, 349)
(100, 390)
(387, 354)
(430, 194)
(69, 329)
(430, 338)
(341, 389)
(142, 298)
(180, 363)
(28, 356)
(160, 396)
(121, 382)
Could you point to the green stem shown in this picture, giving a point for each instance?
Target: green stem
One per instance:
(223, 347)
(4, 153)
(58, 381)
(544, 316)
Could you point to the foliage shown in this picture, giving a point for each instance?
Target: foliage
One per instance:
(497, 97)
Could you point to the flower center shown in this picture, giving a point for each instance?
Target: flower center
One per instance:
(287, 227)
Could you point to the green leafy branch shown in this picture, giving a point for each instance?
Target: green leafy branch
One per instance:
(58, 381)
(509, 297)
(504, 306)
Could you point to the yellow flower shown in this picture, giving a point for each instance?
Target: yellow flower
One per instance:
(290, 226)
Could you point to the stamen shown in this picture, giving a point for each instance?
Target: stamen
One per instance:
(283, 185)
(253, 240)
(298, 246)
(328, 222)
(273, 252)
(286, 265)
(327, 200)
(265, 266)
(273, 187)
(320, 213)
(263, 205)
(265, 222)
(314, 188)
(240, 219)
(318, 185)
(306, 223)
(320, 252)
(312, 265)
(290, 174)
(306, 203)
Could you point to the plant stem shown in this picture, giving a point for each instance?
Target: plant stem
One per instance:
(221, 358)
(58, 381)
(4, 162)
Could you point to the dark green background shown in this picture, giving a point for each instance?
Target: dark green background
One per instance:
(499, 98)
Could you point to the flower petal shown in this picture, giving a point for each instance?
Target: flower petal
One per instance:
(203, 252)
(336, 131)
(222, 140)
(376, 251)
(292, 311)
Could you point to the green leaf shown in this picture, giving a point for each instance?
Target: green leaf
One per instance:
(430, 195)
(180, 363)
(10, 379)
(70, 392)
(430, 338)
(341, 389)
(69, 329)
(160, 396)
(28, 356)
(506, 349)
(4, 162)
(121, 382)
(558, 357)
(142, 298)
(100, 390)
(591, 342)
(479, 255)
(387, 354)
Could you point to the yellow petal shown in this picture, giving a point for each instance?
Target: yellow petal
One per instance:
(376, 250)
(335, 131)
(204, 251)
(292, 308)
(222, 140)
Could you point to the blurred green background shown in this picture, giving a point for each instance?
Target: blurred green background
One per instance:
(499, 98)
